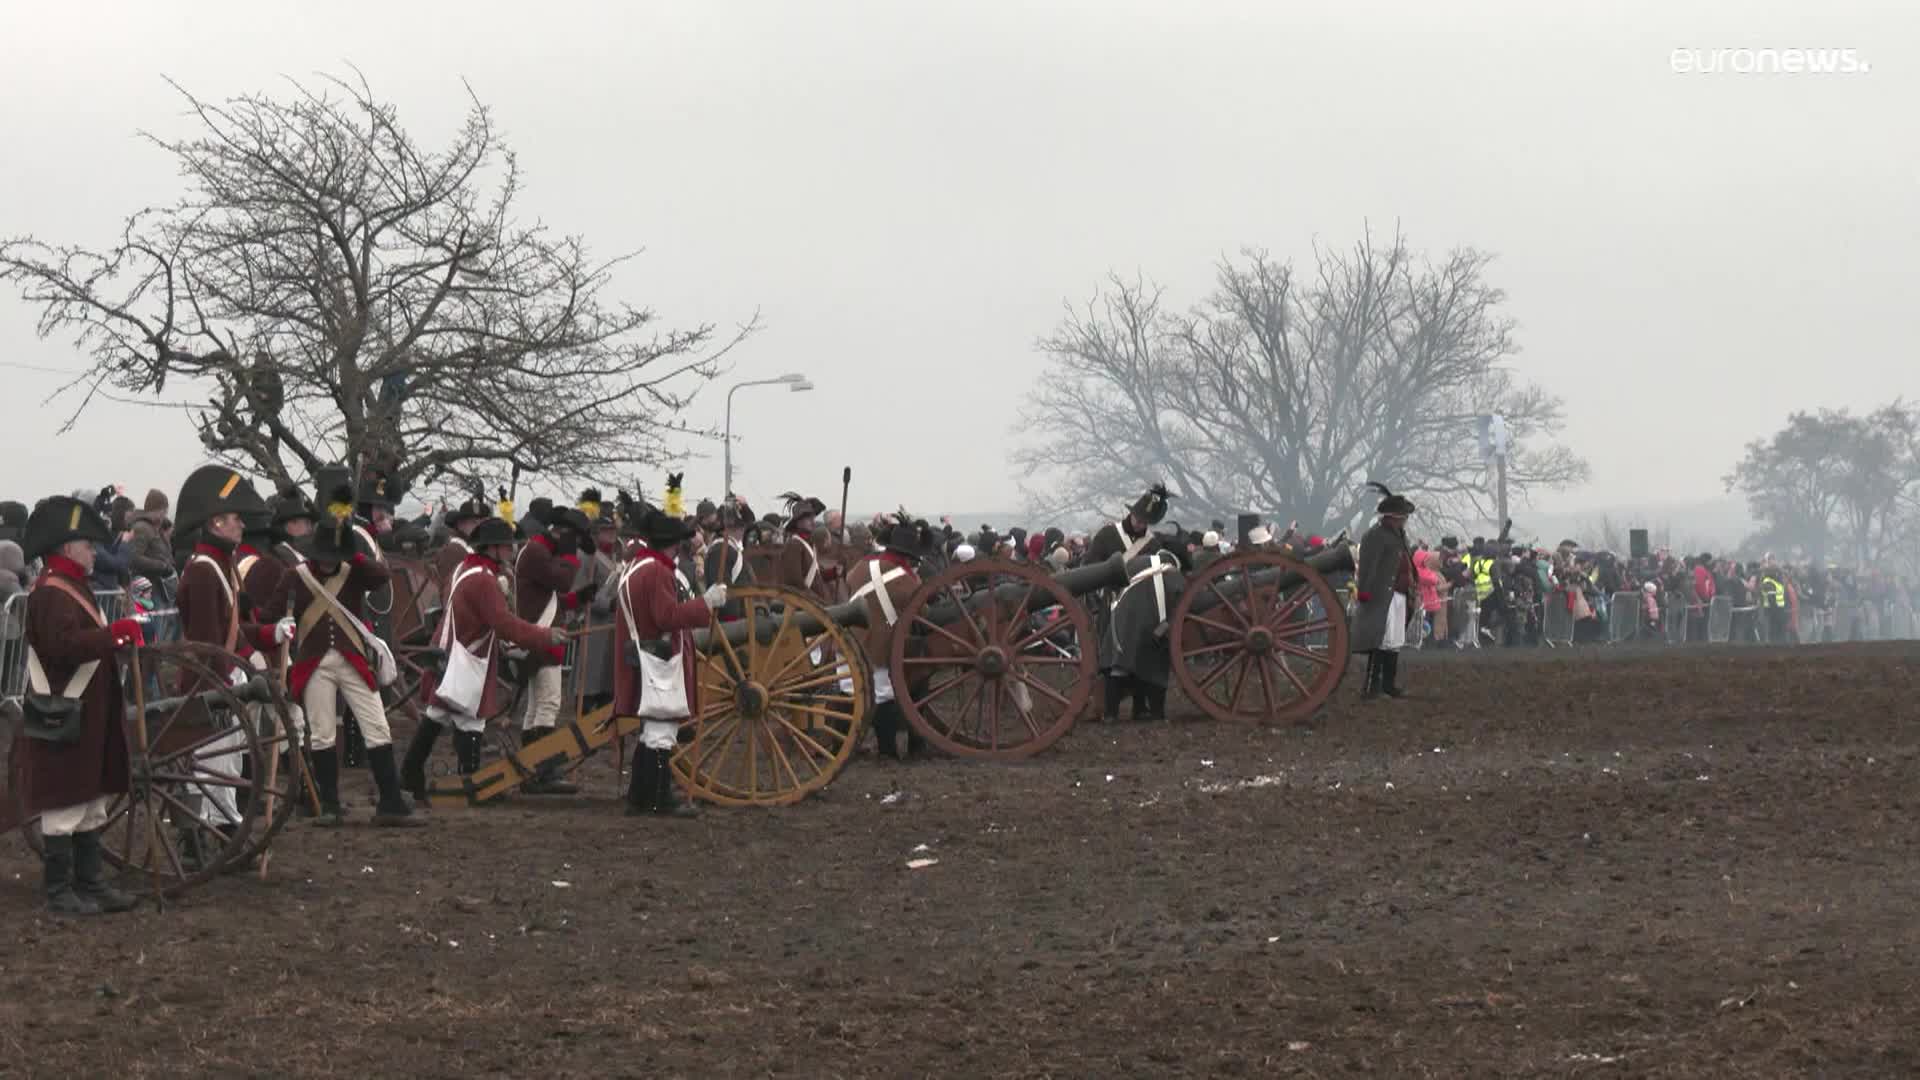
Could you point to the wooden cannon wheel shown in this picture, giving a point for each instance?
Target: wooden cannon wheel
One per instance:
(779, 715)
(183, 760)
(997, 679)
(1263, 653)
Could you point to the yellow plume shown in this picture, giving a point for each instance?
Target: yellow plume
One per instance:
(505, 509)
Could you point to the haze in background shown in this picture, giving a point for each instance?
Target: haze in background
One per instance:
(907, 194)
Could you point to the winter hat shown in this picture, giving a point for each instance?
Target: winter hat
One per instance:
(156, 502)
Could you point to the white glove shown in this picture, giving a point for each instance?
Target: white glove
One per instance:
(240, 677)
(283, 631)
(715, 597)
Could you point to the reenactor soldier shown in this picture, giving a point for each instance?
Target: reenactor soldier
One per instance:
(1137, 628)
(799, 566)
(599, 565)
(1131, 538)
(336, 656)
(653, 604)
(477, 623)
(543, 587)
(885, 581)
(70, 759)
(293, 519)
(726, 557)
(460, 521)
(1384, 579)
(214, 506)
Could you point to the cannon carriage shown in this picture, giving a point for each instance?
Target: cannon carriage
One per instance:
(996, 662)
(215, 770)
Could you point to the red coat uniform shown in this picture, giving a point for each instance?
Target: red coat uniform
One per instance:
(800, 568)
(208, 601)
(479, 609)
(541, 577)
(65, 634)
(259, 575)
(326, 635)
(660, 609)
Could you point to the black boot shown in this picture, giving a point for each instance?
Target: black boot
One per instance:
(1390, 675)
(90, 874)
(1141, 710)
(353, 745)
(642, 782)
(917, 747)
(326, 783)
(666, 801)
(413, 771)
(1157, 702)
(1370, 685)
(886, 729)
(1116, 689)
(466, 751)
(549, 777)
(392, 810)
(56, 860)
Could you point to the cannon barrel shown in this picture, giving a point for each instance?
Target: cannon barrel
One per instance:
(255, 691)
(1080, 581)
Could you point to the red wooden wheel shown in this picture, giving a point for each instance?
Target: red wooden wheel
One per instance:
(1248, 647)
(1000, 677)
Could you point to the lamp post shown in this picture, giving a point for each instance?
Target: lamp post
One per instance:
(795, 383)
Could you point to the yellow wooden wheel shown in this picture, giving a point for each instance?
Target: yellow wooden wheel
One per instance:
(778, 715)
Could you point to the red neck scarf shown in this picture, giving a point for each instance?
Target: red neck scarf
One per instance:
(66, 568)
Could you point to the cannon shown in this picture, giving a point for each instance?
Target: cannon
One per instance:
(192, 740)
(992, 665)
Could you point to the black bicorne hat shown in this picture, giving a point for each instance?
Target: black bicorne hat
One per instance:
(1152, 506)
(13, 520)
(493, 532)
(662, 530)
(379, 489)
(213, 490)
(907, 536)
(291, 504)
(1391, 503)
(474, 508)
(56, 521)
(801, 506)
(332, 540)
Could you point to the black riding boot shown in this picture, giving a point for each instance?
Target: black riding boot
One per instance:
(641, 784)
(90, 875)
(413, 770)
(916, 742)
(392, 810)
(666, 801)
(466, 751)
(56, 861)
(1370, 686)
(1157, 702)
(1116, 689)
(353, 744)
(886, 729)
(1390, 675)
(549, 777)
(326, 783)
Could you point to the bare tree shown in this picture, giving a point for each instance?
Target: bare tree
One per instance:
(344, 294)
(1285, 393)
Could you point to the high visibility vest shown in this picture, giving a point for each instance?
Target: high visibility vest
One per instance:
(1772, 592)
(1482, 577)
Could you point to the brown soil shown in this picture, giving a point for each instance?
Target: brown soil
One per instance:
(1668, 864)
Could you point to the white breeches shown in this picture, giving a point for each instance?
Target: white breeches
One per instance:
(89, 816)
(337, 678)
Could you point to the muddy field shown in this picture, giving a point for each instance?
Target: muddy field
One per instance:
(1668, 864)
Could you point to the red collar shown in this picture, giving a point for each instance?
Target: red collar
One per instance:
(217, 554)
(246, 549)
(475, 558)
(893, 559)
(544, 541)
(66, 568)
(643, 553)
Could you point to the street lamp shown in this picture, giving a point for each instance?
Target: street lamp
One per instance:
(795, 383)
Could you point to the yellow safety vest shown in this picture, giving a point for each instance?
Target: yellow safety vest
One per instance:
(1773, 592)
(1482, 577)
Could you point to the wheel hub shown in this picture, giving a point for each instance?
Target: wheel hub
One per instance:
(750, 700)
(1260, 640)
(992, 662)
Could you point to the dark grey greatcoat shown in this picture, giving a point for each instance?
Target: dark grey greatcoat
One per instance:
(1111, 540)
(594, 661)
(1383, 554)
(1136, 649)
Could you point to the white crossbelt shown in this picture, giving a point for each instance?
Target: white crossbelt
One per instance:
(813, 561)
(877, 586)
(82, 676)
(1154, 573)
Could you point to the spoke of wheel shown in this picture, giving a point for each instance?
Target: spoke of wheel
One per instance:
(1301, 629)
(203, 741)
(806, 741)
(1300, 597)
(831, 678)
(199, 823)
(971, 647)
(206, 779)
(1305, 654)
(1239, 684)
(1043, 688)
(1026, 714)
(814, 710)
(1205, 650)
(1214, 676)
(753, 634)
(1266, 683)
(803, 654)
(753, 757)
(701, 760)
(1041, 633)
(1212, 588)
(1298, 686)
(993, 732)
(1040, 659)
(960, 673)
(979, 636)
(161, 837)
(720, 631)
(966, 706)
(1223, 628)
(773, 745)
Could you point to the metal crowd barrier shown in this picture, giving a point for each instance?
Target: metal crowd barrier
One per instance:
(1623, 617)
(1556, 620)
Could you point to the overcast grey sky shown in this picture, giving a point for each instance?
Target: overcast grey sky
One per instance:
(907, 192)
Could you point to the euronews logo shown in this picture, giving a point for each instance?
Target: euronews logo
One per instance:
(1768, 62)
